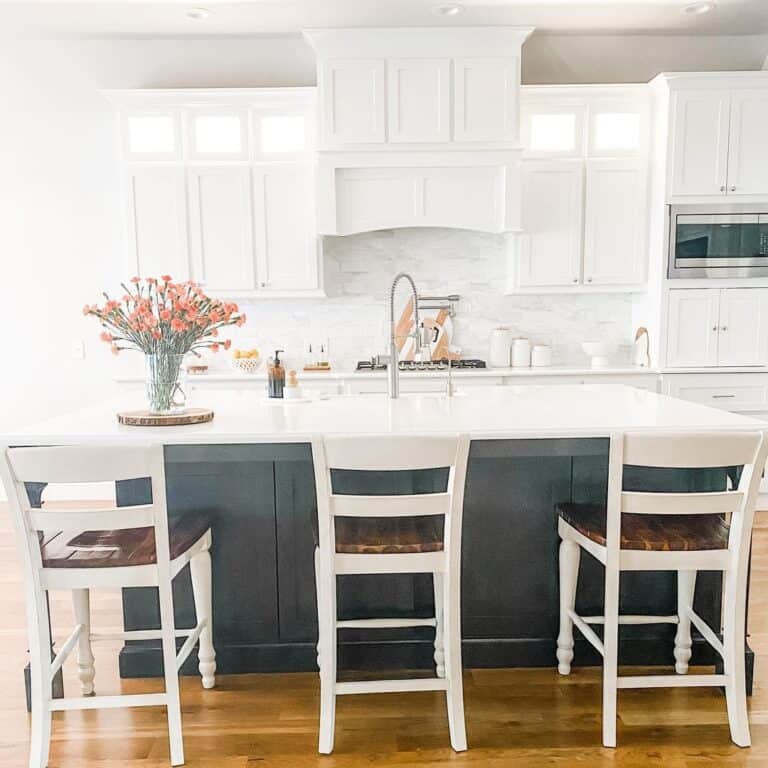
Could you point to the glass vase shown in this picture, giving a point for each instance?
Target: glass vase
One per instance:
(166, 383)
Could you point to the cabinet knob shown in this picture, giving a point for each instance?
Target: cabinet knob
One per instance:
(262, 285)
(714, 327)
(722, 189)
(589, 279)
(724, 328)
(575, 279)
(733, 189)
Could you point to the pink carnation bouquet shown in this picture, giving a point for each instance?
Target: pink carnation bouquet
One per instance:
(165, 321)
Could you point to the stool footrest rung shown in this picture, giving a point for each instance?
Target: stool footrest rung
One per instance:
(670, 681)
(392, 623)
(392, 686)
(111, 702)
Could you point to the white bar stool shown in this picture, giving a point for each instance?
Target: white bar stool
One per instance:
(405, 537)
(683, 532)
(84, 549)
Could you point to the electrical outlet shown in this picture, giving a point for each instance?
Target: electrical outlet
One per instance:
(78, 349)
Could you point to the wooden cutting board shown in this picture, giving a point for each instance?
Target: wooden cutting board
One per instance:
(147, 419)
(445, 328)
(404, 325)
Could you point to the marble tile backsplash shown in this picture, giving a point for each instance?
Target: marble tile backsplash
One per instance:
(358, 273)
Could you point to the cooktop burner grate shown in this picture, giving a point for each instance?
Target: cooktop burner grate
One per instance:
(427, 365)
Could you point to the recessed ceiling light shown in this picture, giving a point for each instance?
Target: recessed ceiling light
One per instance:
(448, 9)
(698, 9)
(198, 14)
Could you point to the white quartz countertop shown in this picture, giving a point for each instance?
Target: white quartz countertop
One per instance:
(516, 411)
(336, 375)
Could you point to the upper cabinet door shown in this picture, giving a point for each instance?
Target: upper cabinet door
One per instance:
(693, 328)
(748, 154)
(284, 224)
(550, 248)
(700, 143)
(419, 98)
(743, 326)
(353, 101)
(615, 222)
(156, 222)
(486, 104)
(221, 227)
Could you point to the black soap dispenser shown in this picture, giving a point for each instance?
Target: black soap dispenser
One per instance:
(276, 376)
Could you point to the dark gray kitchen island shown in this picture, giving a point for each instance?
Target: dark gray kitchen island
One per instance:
(532, 447)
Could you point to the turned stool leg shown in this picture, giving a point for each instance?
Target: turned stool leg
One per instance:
(570, 555)
(81, 604)
(200, 570)
(686, 583)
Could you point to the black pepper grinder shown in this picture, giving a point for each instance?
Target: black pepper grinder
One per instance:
(276, 376)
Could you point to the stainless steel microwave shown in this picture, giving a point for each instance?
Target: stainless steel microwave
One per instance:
(718, 240)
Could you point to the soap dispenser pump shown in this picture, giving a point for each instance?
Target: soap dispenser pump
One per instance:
(276, 376)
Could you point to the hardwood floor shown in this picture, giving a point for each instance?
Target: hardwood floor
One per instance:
(523, 718)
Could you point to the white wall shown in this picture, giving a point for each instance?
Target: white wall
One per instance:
(635, 58)
(59, 216)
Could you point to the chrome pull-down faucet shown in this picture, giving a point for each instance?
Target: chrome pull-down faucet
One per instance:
(393, 367)
(420, 336)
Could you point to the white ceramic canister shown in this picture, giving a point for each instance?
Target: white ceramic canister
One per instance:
(499, 352)
(541, 356)
(521, 353)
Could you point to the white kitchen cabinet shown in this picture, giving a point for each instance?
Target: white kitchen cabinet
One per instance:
(353, 96)
(743, 335)
(229, 200)
(409, 383)
(438, 87)
(221, 228)
(738, 392)
(693, 328)
(700, 142)
(284, 228)
(584, 191)
(418, 100)
(486, 100)
(748, 144)
(550, 246)
(718, 145)
(615, 222)
(718, 327)
(156, 222)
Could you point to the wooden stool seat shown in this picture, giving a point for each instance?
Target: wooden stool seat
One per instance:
(112, 549)
(651, 533)
(388, 535)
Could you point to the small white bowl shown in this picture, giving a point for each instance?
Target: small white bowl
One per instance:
(245, 364)
(599, 351)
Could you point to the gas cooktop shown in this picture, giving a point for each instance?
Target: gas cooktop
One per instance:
(427, 365)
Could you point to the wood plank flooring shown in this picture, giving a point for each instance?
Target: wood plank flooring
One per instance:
(522, 718)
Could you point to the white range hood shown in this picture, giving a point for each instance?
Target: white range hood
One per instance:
(418, 127)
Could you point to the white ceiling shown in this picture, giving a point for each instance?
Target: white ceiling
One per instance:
(129, 18)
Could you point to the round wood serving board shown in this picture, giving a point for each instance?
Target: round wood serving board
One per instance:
(147, 419)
